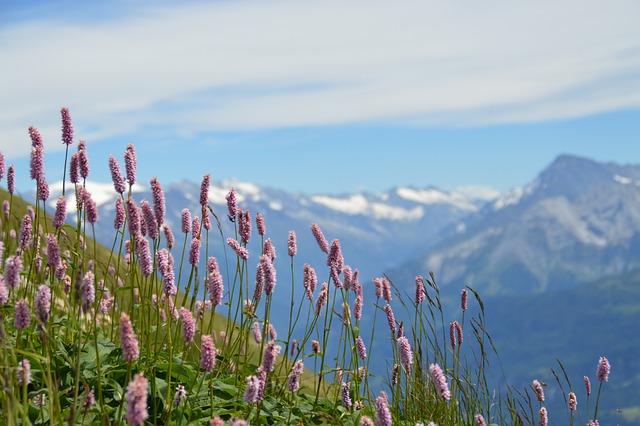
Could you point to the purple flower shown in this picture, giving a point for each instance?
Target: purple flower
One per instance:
(2, 166)
(204, 190)
(188, 325)
(293, 382)
(252, 393)
(539, 391)
(322, 300)
(217, 421)
(21, 314)
(194, 252)
(257, 334)
(272, 332)
(269, 274)
(60, 213)
(11, 179)
(440, 381)
(269, 249)
(406, 356)
(346, 398)
(130, 163)
(573, 401)
(130, 349)
(310, 279)
(83, 163)
(36, 163)
(587, 385)
(260, 225)
(159, 204)
(150, 222)
(455, 334)
(479, 420)
(137, 400)
(116, 175)
(168, 235)
(146, 264)
(390, 319)
(4, 294)
(335, 259)
(67, 127)
(322, 241)
(92, 208)
(270, 353)
(23, 372)
(244, 226)
(74, 168)
(386, 289)
(232, 204)
(357, 308)
(180, 394)
(383, 415)
(134, 217)
(604, 368)
(43, 303)
(366, 421)
(420, 290)
(240, 251)
(26, 229)
(544, 419)
(88, 291)
(120, 216)
(362, 351)
(186, 221)
(463, 299)
(292, 246)
(216, 287)
(208, 355)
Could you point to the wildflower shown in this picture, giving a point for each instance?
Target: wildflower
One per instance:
(215, 285)
(260, 225)
(322, 300)
(573, 401)
(593, 423)
(194, 252)
(146, 264)
(37, 163)
(386, 289)
(259, 282)
(204, 190)
(366, 421)
(2, 165)
(53, 251)
(539, 391)
(88, 291)
(181, 393)
(390, 319)
(603, 369)
(294, 345)
(440, 381)
(116, 175)
(149, 219)
(346, 398)
(420, 290)
(186, 221)
(89, 400)
(188, 325)
(217, 421)
(293, 382)
(362, 351)
(43, 303)
(236, 421)
(26, 229)
(587, 384)
(240, 251)
(23, 373)
(137, 400)
(292, 246)
(335, 259)
(272, 332)
(455, 334)
(463, 299)
(479, 420)
(406, 356)
(208, 356)
(134, 217)
(268, 361)
(269, 249)
(118, 221)
(168, 235)
(232, 204)
(67, 127)
(322, 241)
(262, 379)
(395, 373)
(130, 349)
(544, 418)
(383, 415)
(269, 274)
(257, 334)
(60, 213)
(83, 163)
(357, 308)
(74, 168)
(92, 209)
(130, 164)
(4, 294)
(315, 346)
(159, 204)
(11, 179)
(244, 226)
(252, 393)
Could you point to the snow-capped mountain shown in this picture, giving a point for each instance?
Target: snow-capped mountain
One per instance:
(579, 220)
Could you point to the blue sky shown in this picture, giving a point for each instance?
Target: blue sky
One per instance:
(324, 97)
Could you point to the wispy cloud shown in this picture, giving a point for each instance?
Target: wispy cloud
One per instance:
(197, 68)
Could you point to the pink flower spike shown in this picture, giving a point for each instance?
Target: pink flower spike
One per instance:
(232, 204)
(137, 400)
(260, 225)
(67, 127)
(322, 241)
(116, 175)
(128, 340)
(208, 356)
(604, 368)
(186, 221)
(60, 213)
(440, 381)
(204, 190)
(159, 203)
(130, 164)
(292, 246)
(22, 314)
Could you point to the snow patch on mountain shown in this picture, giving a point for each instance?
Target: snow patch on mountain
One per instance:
(434, 196)
(359, 205)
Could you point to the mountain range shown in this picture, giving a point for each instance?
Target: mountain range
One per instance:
(556, 260)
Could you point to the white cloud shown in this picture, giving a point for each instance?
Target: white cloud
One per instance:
(252, 65)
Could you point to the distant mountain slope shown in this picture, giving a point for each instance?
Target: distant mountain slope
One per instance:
(578, 221)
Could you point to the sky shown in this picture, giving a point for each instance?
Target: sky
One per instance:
(323, 96)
